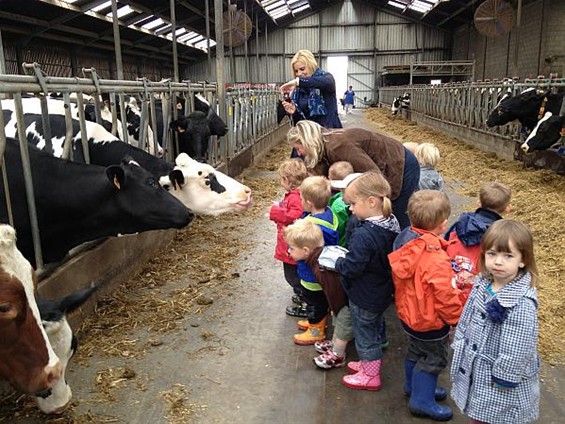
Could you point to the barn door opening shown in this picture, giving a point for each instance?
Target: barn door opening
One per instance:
(337, 66)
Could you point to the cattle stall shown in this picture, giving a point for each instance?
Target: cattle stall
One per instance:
(462, 109)
(251, 121)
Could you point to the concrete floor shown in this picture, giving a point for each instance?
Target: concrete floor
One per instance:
(246, 369)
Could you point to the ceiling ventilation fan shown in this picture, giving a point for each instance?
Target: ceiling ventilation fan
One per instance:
(494, 18)
(237, 26)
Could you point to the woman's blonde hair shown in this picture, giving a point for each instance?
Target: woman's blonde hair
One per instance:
(304, 233)
(498, 237)
(372, 184)
(310, 135)
(428, 208)
(307, 58)
(427, 154)
(316, 190)
(294, 170)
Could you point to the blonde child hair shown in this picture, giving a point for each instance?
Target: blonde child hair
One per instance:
(304, 233)
(427, 155)
(498, 237)
(495, 196)
(372, 184)
(307, 58)
(427, 209)
(294, 170)
(411, 145)
(316, 190)
(339, 170)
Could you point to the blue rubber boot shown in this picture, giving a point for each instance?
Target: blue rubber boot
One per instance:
(422, 402)
(440, 393)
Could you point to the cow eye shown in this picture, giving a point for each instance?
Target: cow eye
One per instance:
(151, 183)
(5, 307)
(199, 172)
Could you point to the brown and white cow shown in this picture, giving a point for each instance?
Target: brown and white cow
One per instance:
(27, 360)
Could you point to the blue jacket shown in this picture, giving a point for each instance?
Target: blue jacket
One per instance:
(471, 226)
(312, 90)
(365, 270)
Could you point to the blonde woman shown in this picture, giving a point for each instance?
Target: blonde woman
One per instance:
(311, 93)
(366, 151)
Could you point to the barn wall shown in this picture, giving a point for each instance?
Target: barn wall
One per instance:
(60, 60)
(540, 38)
(370, 37)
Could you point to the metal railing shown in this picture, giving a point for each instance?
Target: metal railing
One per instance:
(468, 103)
(251, 115)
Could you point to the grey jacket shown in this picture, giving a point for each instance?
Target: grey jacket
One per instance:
(430, 179)
(495, 342)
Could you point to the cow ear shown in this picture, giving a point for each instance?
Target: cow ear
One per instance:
(116, 175)
(177, 178)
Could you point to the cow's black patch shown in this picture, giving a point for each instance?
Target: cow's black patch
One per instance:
(214, 183)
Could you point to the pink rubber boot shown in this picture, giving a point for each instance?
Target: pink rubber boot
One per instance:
(368, 377)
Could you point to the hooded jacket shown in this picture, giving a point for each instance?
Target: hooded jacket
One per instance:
(426, 301)
(288, 210)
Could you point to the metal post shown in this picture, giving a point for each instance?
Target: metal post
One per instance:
(517, 40)
(219, 27)
(209, 63)
(174, 37)
(117, 42)
(2, 59)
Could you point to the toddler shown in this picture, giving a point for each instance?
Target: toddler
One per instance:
(428, 158)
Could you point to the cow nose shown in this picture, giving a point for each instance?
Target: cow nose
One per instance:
(524, 148)
(44, 394)
(53, 373)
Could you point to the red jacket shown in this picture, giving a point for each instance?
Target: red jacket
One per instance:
(285, 213)
(425, 297)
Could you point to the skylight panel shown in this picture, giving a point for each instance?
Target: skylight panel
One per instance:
(153, 24)
(102, 6)
(397, 4)
(300, 9)
(122, 11)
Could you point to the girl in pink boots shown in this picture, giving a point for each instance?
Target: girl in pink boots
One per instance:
(366, 274)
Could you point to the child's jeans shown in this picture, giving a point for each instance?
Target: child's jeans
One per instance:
(367, 328)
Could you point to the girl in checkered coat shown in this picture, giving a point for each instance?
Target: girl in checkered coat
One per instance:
(495, 368)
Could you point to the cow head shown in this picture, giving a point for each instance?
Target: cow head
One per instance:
(524, 107)
(204, 190)
(27, 360)
(545, 134)
(194, 134)
(217, 125)
(64, 343)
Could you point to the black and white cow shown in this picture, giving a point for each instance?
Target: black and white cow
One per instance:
(194, 130)
(191, 182)
(527, 107)
(547, 132)
(77, 202)
(399, 103)
(106, 150)
(53, 314)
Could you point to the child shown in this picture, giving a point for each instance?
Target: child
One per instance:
(305, 240)
(428, 158)
(426, 302)
(365, 273)
(464, 237)
(495, 369)
(349, 99)
(315, 193)
(292, 172)
(340, 173)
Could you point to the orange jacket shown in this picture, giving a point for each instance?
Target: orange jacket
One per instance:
(425, 297)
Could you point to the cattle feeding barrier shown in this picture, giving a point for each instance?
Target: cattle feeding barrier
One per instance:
(251, 115)
(461, 109)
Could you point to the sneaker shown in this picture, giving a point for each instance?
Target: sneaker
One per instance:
(323, 346)
(329, 360)
(297, 311)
